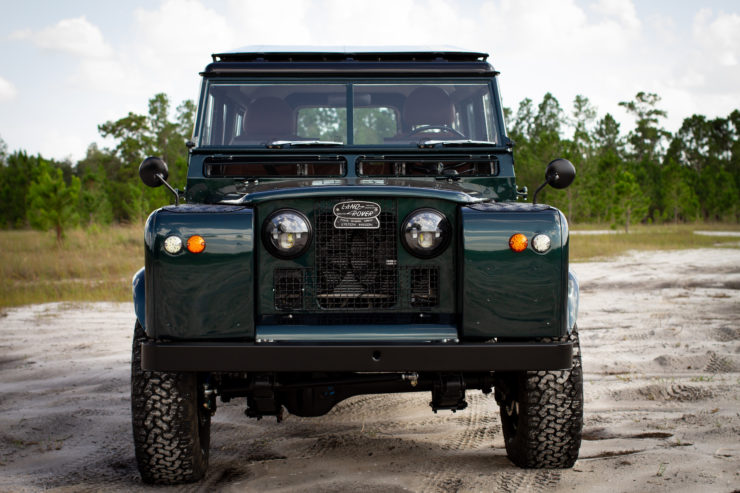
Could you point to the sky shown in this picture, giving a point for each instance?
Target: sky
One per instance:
(66, 67)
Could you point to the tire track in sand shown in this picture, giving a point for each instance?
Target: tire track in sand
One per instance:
(478, 424)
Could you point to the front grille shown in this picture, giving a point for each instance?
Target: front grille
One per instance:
(356, 276)
(355, 268)
(424, 287)
(288, 288)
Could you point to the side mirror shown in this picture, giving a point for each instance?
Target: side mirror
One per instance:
(153, 171)
(560, 173)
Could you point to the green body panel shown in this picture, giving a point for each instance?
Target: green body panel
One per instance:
(506, 294)
(204, 295)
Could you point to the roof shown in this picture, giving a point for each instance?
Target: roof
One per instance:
(365, 60)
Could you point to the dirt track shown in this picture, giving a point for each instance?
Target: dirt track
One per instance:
(661, 344)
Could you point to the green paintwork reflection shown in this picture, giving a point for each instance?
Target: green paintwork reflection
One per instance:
(205, 295)
(508, 294)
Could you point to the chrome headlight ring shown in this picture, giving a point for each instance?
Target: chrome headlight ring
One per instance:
(425, 233)
(286, 233)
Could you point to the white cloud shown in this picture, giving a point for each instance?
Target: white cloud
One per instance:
(7, 90)
(623, 12)
(560, 28)
(63, 145)
(720, 36)
(74, 36)
(178, 33)
(277, 23)
(389, 22)
(109, 76)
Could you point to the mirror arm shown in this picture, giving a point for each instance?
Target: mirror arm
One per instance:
(176, 192)
(534, 198)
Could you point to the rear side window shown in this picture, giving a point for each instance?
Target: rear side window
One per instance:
(326, 123)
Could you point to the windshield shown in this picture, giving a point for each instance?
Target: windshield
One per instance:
(367, 114)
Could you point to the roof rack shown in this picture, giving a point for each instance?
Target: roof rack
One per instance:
(340, 54)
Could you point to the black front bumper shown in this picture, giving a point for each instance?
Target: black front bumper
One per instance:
(250, 357)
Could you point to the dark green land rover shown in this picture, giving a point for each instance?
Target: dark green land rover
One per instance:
(352, 225)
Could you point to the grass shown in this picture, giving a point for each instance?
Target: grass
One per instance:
(645, 238)
(97, 264)
(91, 265)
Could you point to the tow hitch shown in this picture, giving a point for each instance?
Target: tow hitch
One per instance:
(448, 392)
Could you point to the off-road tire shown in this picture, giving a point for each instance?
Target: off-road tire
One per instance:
(542, 413)
(171, 427)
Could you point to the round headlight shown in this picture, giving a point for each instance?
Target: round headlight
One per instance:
(286, 233)
(425, 233)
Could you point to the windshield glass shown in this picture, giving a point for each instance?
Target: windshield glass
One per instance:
(395, 114)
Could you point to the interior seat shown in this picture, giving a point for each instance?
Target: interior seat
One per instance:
(266, 119)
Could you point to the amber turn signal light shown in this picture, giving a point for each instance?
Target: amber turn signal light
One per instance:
(196, 244)
(517, 242)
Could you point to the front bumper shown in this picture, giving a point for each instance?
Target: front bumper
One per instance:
(251, 357)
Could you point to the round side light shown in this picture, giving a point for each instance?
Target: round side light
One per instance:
(196, 244)
(172, 244)
(518, 242)
(541, 243)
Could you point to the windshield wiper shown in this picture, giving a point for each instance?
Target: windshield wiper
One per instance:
(426, 144)
(280, 144)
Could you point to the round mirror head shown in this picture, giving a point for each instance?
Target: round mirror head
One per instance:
(560, 173)
(149, 170)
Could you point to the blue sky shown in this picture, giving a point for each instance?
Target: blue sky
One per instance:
(68, 66)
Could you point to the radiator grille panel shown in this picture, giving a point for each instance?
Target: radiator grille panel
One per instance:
(424, 287)
(355, 268)
(289, 288)
(356, 273)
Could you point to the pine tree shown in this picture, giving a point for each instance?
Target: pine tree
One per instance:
(630, 204)
(52, 203)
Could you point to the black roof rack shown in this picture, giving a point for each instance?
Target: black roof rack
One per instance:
(365, 60)
(360, 54)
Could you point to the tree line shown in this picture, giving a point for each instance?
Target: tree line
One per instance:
(103, 187)
(646, 175)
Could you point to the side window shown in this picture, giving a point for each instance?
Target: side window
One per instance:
(208, 121)
(322, 123)
(471, 129)
(372, 125)
(488, 113)
(238, 124)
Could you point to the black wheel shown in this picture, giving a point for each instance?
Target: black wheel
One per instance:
(171, 426)
(542, 414)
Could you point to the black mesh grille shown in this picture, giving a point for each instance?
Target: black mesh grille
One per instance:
(356, 277)
(289, 289)
(355, 268)
(424, 285)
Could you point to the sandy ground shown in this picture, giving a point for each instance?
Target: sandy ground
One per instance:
(661, 345)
